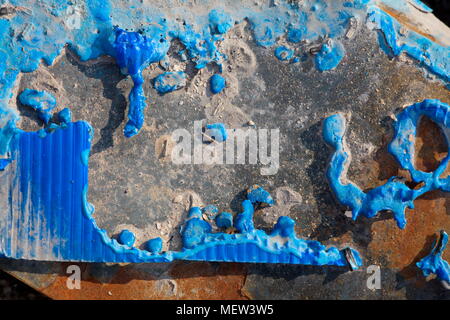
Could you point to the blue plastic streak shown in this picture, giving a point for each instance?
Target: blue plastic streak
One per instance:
(394, 196)
(41, 101)
(133, 53)
(434, 264)
(170, 81)
(434, 57)
(217, 83)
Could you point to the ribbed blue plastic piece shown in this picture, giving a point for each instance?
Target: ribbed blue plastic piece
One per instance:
(48, 217)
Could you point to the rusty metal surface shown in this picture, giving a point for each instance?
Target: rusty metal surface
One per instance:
(367, 83)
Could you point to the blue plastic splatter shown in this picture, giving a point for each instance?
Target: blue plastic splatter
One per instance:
(41, 101)
(330, 55)
(283, 53)
(134, 52)
(433, 263)
(4, 163)
(65, 115)
(257, 194)
(195, 229)
(394, 196)
(210, 211)
(219, 22)
(126, 237)
(217, 83)
(154, 245)
(170, 81)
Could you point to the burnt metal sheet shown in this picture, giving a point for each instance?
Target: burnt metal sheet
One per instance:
(126, 177)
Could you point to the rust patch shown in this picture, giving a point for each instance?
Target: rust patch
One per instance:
(401, 249)
(185, 280)
(431, 147)
(210, 281)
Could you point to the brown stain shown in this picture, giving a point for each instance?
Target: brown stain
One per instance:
(406, 22)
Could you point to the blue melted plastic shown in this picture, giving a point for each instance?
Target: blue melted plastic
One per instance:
(394, 195)
(210, 211)
(62, 228)
(4, 163)
(434, 264)
(65, 115)
(126, 237)
(224, 220)
(219, 22)
(197, 232)
(134, 52)
(170, 81)
(154, 245)
(256, 194)
(217, 131)
(330, 55)
(41, 101)
(27, 39)
(217, 83)
(283, 53)
(433, 56)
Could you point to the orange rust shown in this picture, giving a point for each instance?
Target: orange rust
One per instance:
(201, 279)
(431, 147)
(185, 280)
(403, 248)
